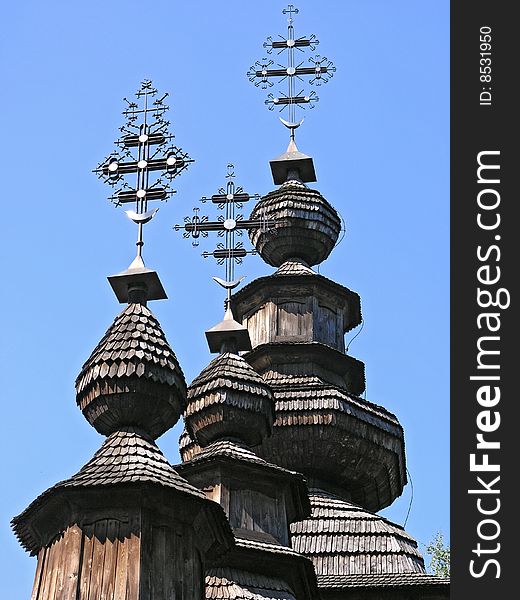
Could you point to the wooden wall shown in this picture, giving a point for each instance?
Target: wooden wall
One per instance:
(109, 559)
(297, 319)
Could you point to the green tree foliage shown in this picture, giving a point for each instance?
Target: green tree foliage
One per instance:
(440, 556)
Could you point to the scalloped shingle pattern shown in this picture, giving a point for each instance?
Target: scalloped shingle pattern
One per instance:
(318, 397)
(293, 267)
(243, 585)
(343, 539)
(308, 226)
(385, 580)
(236, 452)
(132, 377)
(133, 346)
(129, 457)
(229, 400)
(228, 371)
(126, 457)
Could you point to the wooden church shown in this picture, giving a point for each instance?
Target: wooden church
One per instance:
(284, 464)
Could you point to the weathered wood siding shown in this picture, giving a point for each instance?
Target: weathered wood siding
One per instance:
(105, 560)
(298, 319)
(255, 511)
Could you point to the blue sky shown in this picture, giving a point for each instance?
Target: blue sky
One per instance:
(380, 140)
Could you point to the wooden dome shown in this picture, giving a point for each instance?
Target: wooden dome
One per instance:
(307, 225)
(132, 377)
(229, 400)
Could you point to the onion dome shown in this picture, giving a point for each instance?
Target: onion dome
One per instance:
(127, 459)
(132, 377)
(229, 400)
(337, 439)
(343, 539)
(307, 225)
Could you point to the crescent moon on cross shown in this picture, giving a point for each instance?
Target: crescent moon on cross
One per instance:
(290, 125)
(141, 218)
(228, 285)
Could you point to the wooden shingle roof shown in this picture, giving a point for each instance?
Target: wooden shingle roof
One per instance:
(126, 457)
(307, 225)
(132, 377)
(343, 539)
(237, 458)
(237, 452)
(229, 399)
(235, 584)
(133, 345)
(383, 580)
(228, 371)
(294, 268)
(129, 457)
(328, 434)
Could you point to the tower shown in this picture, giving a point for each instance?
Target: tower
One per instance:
(350, 450)
(230, 410)
(127, 525)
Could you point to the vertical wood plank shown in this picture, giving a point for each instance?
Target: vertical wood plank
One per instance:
(178, 542)
(98, 558)
(183, 565)
(110, 565)
(249, 502)
(38, 577)
(49, 582)
(86, 565)
(121, 571)
(133, 567)
(157, 565)
(225, 498)
(146, 560)
(61, 564)
(170, 573)
(68, 584)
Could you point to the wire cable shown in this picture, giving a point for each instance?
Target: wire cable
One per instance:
(411, 497)
(360, 330)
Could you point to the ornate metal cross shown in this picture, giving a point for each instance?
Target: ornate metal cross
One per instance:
(146, 155)
(229, 225)
(319, 70)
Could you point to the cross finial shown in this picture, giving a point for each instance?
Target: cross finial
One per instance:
(229, 225)
(318, 70)
(291, 9)
(145, 162)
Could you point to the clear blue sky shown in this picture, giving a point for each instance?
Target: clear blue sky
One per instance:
(379, 137)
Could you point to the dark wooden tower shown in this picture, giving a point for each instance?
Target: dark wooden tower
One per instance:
(350, 451)
(230, 409)
(127, 526)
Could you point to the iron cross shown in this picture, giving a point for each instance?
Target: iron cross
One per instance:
(229, 225)
(319, 70)
(144, 155)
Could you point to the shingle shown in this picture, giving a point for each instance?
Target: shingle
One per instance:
(236, 584)
(343, 539)
(126, 457)
(237, 452)
(229, 399)
(229, 371)
(139, 327)
(386, 580)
